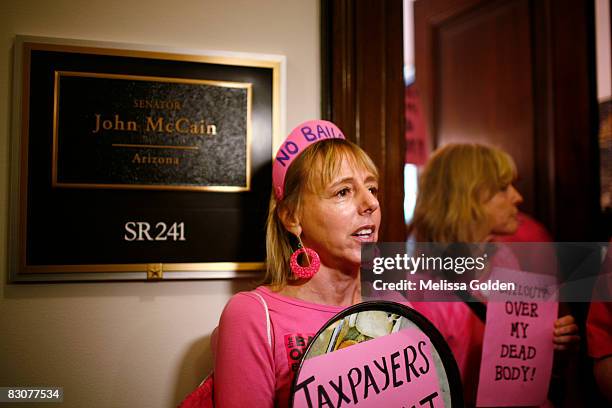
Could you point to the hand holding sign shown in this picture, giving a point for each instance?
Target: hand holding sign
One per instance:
(566, 333)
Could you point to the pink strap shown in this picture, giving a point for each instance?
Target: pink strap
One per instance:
(265, 305)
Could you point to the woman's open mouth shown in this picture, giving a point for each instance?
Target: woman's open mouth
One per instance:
(365, 233)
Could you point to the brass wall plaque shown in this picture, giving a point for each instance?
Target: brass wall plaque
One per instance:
(127, 131)
(123, 158)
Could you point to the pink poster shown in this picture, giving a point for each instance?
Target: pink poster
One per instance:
(517, 353)
(396, 370)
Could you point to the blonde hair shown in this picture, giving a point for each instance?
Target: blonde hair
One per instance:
(312, 171)
(453, 186)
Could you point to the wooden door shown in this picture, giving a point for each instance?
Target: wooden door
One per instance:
(363, 91)
(518, 74)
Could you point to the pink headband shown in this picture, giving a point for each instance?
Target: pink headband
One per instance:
(298, 140)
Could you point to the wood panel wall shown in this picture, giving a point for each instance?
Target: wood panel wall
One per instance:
(363, 91)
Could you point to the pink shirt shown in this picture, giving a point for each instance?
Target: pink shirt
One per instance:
(464, 332)
(599, 320)
(250, 373)
(247, 371)
(599, 330)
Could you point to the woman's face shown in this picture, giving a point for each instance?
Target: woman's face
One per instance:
(501, 211)
(336, 221)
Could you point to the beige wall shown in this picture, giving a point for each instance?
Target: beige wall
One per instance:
(135, 344)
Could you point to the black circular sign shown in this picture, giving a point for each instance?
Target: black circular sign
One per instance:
(377, 354)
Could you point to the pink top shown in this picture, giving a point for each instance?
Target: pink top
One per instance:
(599, 330)
(599, 320)
(463, 330)
(249, 373)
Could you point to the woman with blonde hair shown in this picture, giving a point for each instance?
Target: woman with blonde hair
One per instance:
(323, 207)
(466, 196)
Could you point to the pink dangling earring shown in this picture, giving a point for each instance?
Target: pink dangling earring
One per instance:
(314, 262)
